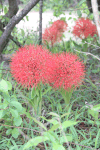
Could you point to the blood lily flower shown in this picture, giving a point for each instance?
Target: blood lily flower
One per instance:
(67, 71)
(54, 33)
(84, 28)
(61, 25)
(33, 64)
(28, 64)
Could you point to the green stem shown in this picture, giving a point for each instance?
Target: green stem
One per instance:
(36, 100)
(66, 95)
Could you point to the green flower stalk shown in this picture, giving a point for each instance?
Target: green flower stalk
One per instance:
(36, 100)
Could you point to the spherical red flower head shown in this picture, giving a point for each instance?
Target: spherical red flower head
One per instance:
(51, 36)
(66, 71)
(27, 66)
(61, 25)
(54, 33)
(84, 28)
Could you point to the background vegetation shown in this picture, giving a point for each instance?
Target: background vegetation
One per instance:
(59, 127)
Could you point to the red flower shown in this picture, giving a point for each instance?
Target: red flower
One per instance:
(54, 32)
(32, 65)
(66, 71)
(28, 65)
(84, 28)
(61, 25)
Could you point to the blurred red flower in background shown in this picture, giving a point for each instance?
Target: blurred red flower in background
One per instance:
(84, 28)
(54, 33)
(61, 25)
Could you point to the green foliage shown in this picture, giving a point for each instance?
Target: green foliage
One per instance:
(5, 86)
(94, 111)
(50, 135)
(66, 95)
(79, 124)
(82, 2)
(79, 13)
(36, 99)
(10, 107)
(55, 134)
(1, 67)
(5, 9)
(84, 7)
(25, 37)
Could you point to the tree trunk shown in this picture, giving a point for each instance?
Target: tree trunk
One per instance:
(11, 37)
(96, 15)
(90, 5)
(40, 22)
(13, 8)
(15, 20)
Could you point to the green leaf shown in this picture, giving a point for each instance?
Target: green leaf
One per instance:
(51, 136)
(54, 127)
(0, 98)
(95, 71)
(1, 114)
(35, 141)
(70, 13)
(6, 97)
(55, 8)
(66, 95)
(33, 93)
(1, 66)
(49, 88)
(92, 84)
(22, 32)
(3, 86)
(9, 85)
(17, 105)
(63, 18)
(56, 1)
(81, 2)
(96, 107)
(66, 114)
(57, 146)
(59, 107)
(27, 18)
(97, 139)
(28, 115)
(63, 139)
(74, 19)
(1, 70)
(67, 124)
(1, 6)
(18, 121)
(9, 131)
(5, 10)
(14, 113)
(69, 18)
(54, 114)
(15, 133)
(93, 113)
(4, 105)
(79, 13)
(54, 122)
(39, 123)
